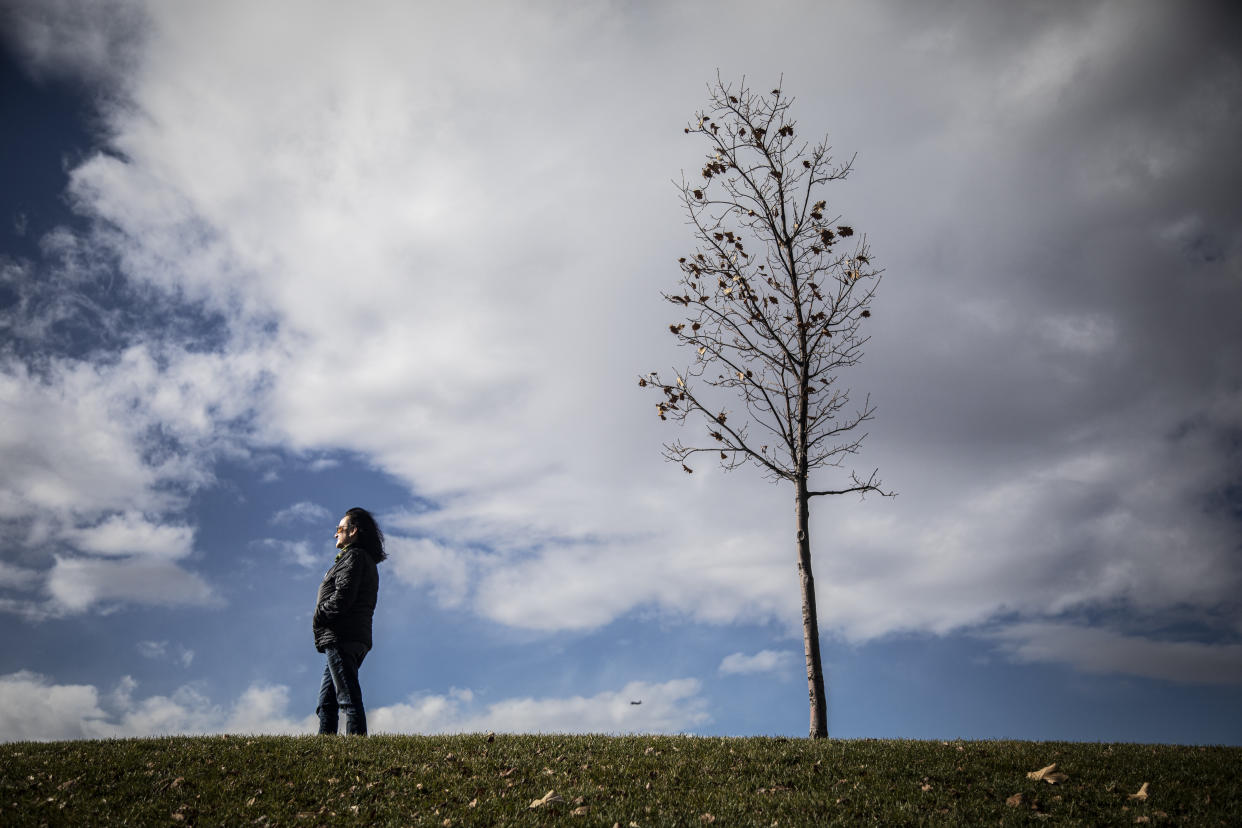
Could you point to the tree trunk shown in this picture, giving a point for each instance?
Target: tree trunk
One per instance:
(810, 621)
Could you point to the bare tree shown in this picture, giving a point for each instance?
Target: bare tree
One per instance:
(775, 296)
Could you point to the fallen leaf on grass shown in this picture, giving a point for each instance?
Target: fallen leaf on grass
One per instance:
(1141, 795)
(1014, 801)
(579, 811)
(547, 798)
(1049, 774)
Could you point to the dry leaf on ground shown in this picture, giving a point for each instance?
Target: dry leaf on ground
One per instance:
(549, 797)
(1142, 793)
(1014, 801)
(1049, 774)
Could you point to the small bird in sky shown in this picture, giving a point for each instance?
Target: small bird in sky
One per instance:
(637, 702)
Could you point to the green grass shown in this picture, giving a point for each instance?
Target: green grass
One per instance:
(600, 780)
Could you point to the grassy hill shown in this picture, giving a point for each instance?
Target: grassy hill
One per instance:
(598, 780)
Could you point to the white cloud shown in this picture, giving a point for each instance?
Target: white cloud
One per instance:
(33, 707)
(263, 709)
(1104, 651)
(67, 38)
(18, 577)
(100, 458)
(1085, 522)
(152, 649)
(668, 707)
(73, 445)
(423, 562)
(133, 534)
(302, 512)
(78, 584)
(160, 651)
(296, 552)
(782, 663)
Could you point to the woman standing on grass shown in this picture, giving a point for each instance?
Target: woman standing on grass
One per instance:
(342, 621)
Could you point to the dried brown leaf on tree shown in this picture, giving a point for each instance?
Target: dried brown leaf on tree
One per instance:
(1049, 774)
(1141, 795)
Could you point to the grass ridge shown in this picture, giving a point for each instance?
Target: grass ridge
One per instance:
(481, 779)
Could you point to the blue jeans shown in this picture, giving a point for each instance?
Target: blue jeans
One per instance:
(340, 691)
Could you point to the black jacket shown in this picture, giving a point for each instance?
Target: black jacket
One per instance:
(346, 601)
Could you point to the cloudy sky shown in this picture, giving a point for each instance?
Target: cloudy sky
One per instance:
(263, 262)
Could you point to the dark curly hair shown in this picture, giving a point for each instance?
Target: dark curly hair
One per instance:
(370, 537)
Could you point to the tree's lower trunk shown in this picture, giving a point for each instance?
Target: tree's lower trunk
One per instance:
(810, 621)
